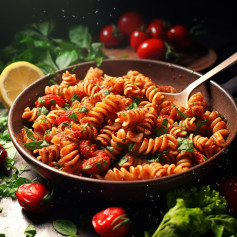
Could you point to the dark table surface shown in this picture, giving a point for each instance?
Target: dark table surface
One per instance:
(219, 18)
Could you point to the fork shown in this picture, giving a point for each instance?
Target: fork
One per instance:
(182, 97)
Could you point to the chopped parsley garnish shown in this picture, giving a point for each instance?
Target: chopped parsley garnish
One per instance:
(74, 98)
(123, 160)
(185, 144)
(73, 116)
(42, 110)
(181, 113)
(52, 102)
(136, 101)
(109, 148)
(106, 92)
(83, 109)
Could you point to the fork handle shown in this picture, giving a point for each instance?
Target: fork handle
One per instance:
(225, 64)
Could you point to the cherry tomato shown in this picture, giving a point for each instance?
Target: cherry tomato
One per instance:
(179, 37)
(112, 221)
(3, 154)
(96, 165)
(228, 188)
(130, 21)
(34, 197)
(64, 118)
(50, 100)
(87, 149)
(137, 37)
(157, 31)
(161, 22)
(111, 36)
(152, 49)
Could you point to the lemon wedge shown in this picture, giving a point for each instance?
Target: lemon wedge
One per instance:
(15, 78)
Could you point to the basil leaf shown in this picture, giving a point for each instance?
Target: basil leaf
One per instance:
(65, 227)
(36, 144)
(30, 231)
(29, 134)
(66, 58)
(80, 36)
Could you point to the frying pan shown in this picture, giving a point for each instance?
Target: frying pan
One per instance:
(163, 74)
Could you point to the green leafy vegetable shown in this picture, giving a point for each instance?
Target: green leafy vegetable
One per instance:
(30, 231)
(65, 227)
(39, 44)
(10, 185)
(195, 212)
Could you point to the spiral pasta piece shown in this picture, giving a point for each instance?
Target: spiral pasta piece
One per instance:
(215, 121)
(105, 134)
(148, 122)
(49, 155)
(101, 110)
(30, 115)
(68, 79)
(159, 144)
(188, 124)
(69, 157)
(142, 172)
(131, 116)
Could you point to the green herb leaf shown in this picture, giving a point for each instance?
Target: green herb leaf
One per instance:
(42, 110)
(10, 185)
(123, 160)
(36, 144)
(109, 148)
(181, 114)
(65, 227)
(66, 58)
(29, 134)
(185, 144)
(75, 97)
(73, 116)
(83, 109)
(30, 231)
(80, 36)
(136, 101)
(106, 92)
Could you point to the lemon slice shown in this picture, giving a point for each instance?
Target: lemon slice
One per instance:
(15, 78)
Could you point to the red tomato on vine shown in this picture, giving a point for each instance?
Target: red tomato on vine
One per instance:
(152, 49)
(130, 21)
(179, 37)
(137, 37)
(111, 36)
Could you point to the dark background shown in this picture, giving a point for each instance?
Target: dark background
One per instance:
(219, 18)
